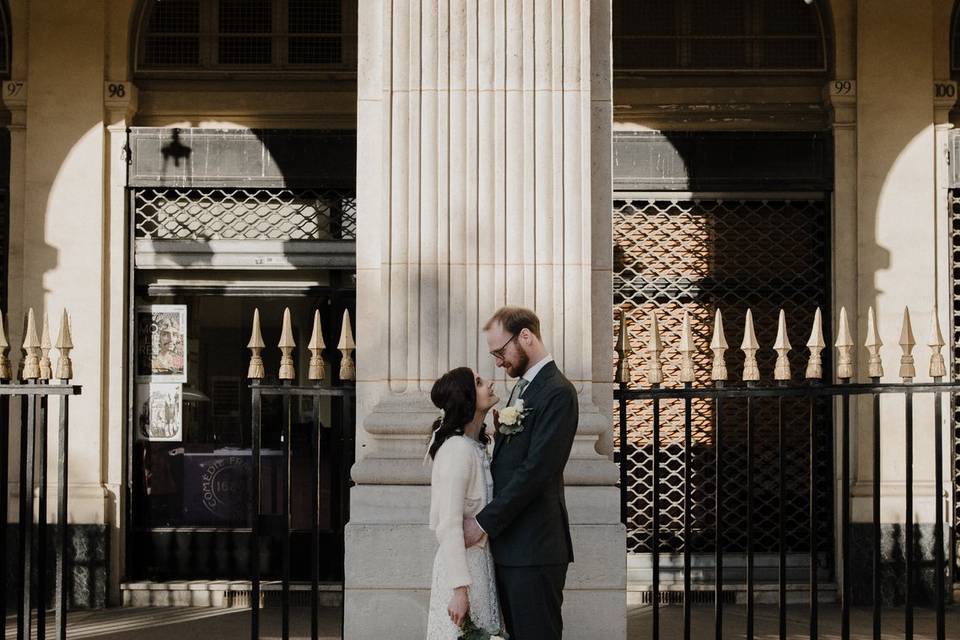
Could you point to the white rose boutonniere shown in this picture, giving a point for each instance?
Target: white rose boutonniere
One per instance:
(511, 419)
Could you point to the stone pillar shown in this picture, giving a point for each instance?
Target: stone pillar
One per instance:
(58, 238)
(901, 231)
(484, 179)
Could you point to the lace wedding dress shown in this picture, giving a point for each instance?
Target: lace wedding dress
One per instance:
(484, 606)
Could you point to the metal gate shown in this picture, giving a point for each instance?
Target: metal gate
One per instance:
(677, 253)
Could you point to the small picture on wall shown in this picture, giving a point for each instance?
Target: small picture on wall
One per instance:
(161, 343)
(160, 411)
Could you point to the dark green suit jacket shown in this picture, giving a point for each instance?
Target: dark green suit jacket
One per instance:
(527, 519)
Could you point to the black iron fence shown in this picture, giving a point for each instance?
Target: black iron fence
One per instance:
(34, 537)
(717, 398)
(341, 408)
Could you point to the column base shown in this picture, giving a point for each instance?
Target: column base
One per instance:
(389, 560)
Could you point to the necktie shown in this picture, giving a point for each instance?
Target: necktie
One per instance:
(517, 390)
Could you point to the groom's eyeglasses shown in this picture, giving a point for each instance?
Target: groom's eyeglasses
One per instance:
(502, 351)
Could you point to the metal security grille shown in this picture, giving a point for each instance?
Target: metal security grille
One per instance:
(705, 35)
(245, 214)
(182, 35)
(675, 254)
(955, 405)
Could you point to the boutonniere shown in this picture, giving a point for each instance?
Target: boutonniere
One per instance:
(511, 419)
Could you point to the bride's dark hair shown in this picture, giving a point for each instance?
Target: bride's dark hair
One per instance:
(454, 393)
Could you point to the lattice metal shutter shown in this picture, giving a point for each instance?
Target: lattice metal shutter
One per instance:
(955, 533)
(245, 214)
(671, 255)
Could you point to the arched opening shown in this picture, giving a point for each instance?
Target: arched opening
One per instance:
(242, 196)
(722, 149)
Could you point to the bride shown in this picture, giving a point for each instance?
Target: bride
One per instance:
(464, 584)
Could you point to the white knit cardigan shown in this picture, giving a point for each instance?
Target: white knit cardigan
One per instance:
(457, 488)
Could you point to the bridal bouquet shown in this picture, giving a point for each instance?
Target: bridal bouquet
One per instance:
(470, 631)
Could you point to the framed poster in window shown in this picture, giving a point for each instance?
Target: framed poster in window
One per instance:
(159, 411)
(161, 343)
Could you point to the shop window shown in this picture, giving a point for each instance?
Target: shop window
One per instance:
(246, 35)
(707, 36)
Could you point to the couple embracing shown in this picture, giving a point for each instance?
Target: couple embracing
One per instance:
(501, 520)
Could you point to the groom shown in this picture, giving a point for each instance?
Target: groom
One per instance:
(527, 519)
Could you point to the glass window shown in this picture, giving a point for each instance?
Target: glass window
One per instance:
(237, 35)
(694, 36)
(201, 479)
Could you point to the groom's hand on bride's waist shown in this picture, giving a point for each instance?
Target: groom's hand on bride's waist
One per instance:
(472, 532)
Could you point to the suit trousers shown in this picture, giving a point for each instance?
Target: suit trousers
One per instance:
(531, 600)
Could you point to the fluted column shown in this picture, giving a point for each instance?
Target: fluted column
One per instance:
(483, 180)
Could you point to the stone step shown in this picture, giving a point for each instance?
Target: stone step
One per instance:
(224, 593)
(640, 593)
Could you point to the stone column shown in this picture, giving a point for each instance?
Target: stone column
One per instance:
(484, 179)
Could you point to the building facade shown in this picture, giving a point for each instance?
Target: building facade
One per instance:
(418, 164)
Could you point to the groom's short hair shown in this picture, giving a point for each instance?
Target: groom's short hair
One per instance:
(515, 320)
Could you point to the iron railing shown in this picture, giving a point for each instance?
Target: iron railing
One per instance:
(717, 398)
(34, 394)
(343, 399)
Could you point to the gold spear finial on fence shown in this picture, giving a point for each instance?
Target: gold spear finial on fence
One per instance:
(6, 372)
(718, 344)
(873, 344)
(31, 344)
(908, 371)
(316, 348)
(844, 345)
(64, 346)
(348, 371)
(815, 344)
(686, 350)
(624, 351)
(749, 346)
(286, 344)
(654, 349)
(46, 370)
(781, 370)
(256, 345)
(938, 368)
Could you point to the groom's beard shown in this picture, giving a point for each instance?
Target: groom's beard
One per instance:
(523, 363)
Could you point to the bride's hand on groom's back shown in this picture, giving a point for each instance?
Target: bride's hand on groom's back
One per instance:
(472, 533)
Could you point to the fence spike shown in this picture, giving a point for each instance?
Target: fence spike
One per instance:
(816, 345)
(749, 346)
(718, 344)
(908, 370)
(286, 344)
(256, 345)
(6, 372)
(938, 368)
(873, 344)
(654, 349)
(316, 348)
(686, 350)
(64, 346)
(844, 345)
(46, 370)
(781, 345)
(31, 344)
(624, 351)
(348, 371)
